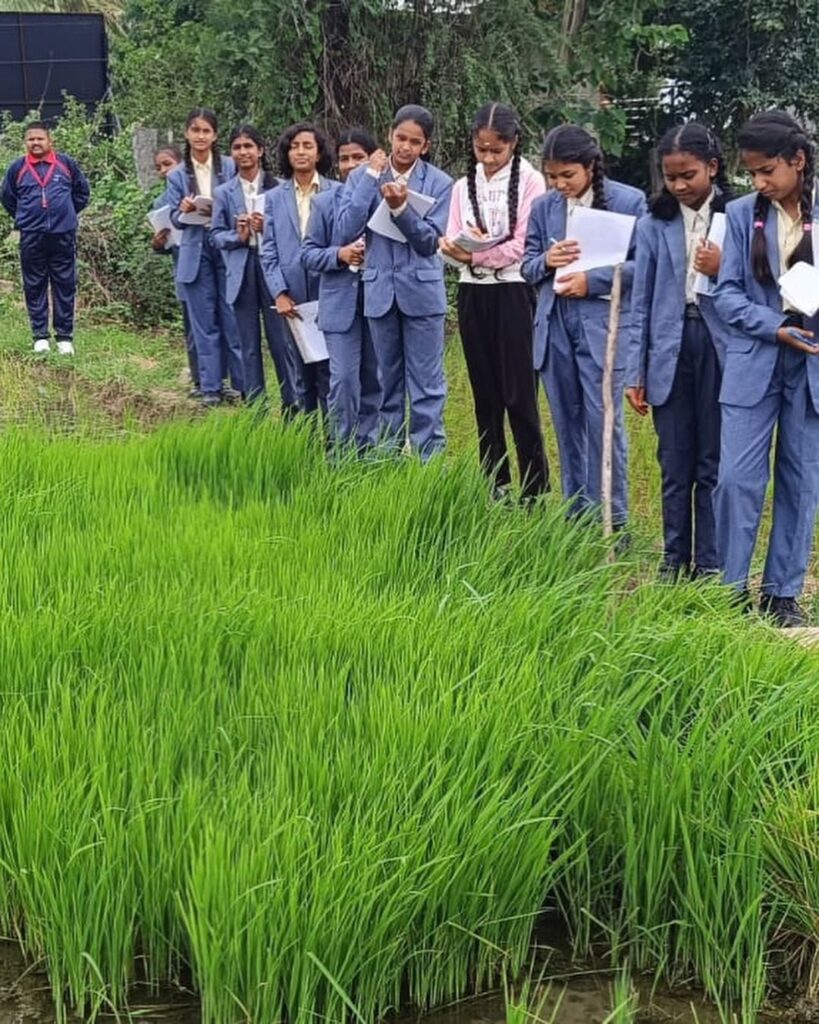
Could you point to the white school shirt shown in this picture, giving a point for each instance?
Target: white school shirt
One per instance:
(587, 200)
(204, 176)
(250, 190)
(695, 223)
(788, 236)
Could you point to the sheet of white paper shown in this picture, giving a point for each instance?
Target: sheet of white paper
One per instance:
(258, 203)
(202, 213)
(309, 339)
(604, 238)
(160, 220)
(383, 223)
(716, 234)
(799, 287)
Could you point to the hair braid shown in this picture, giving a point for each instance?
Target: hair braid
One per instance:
(472, 189)
(514, 192)
(804, 251)
(759, 255)
(598, 184)
(188, 158)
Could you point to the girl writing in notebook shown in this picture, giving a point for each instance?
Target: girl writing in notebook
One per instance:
(355, 392)
(238, 223)
(571, 320)
(403, 277)
(494, 302)
(771, 374)
(674, 359)
(200, 271)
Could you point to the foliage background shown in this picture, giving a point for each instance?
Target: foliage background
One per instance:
(628, 68)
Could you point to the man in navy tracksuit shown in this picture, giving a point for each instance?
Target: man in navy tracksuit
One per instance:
(44, 191)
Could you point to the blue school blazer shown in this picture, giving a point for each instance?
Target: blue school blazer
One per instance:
(658, 308)
(281, 243)
(408, 274)
(753, 311)
(228, 204)
(193, 235)
(338, 285)
(548, 221)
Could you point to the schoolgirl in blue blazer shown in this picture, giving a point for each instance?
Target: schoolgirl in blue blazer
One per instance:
(305, 161)
(355, 392)
(237, 233)
(771, 374)
(165, 160)
(570, 328)
(674, 357)
(404, 295)
(200, 271)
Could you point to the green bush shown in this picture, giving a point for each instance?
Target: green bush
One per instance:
(120, 276)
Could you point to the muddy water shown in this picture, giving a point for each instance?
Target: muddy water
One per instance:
(585, 997)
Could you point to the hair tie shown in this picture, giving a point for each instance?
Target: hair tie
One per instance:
(807, 226)
(759, 224)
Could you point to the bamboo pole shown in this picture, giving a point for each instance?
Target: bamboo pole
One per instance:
(608, 400)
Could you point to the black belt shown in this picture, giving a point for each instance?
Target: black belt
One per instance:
(692, 311)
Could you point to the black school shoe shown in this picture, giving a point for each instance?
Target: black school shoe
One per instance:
(672, 572)
(210, 399)
(784, 612)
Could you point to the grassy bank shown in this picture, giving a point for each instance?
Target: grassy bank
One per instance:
(332, 738)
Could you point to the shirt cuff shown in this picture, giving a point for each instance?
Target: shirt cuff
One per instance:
(397, 212)
(373, 173)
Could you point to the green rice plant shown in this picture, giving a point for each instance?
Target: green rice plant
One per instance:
(625, 999)
(532, 1000)
(328, 738)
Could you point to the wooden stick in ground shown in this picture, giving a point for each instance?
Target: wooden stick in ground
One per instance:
(608, 399)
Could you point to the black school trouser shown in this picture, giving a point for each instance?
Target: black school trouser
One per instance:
(495, 321)
(688, 435)
(49, 259)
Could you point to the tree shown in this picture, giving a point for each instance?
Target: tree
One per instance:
(745, 56)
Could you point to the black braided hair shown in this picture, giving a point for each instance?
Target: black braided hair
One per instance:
(571, 144)
(206, 114)
(472, 190)
(775, 133)
(701, 143)
(505, 123)
(269, 179)
(324, 165)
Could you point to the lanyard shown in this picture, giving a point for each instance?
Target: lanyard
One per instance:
(43, 182)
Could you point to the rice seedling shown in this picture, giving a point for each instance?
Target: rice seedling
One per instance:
(625, 1000)
(329, 738)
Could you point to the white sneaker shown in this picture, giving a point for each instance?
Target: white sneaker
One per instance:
(41, 346)
(65, 348)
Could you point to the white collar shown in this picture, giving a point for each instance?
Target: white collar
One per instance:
(406, 175)
(690, 216)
